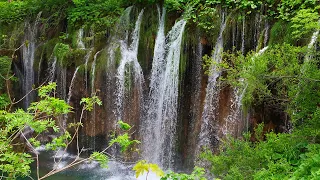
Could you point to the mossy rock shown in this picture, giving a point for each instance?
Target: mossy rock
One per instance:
(76, 57)
(281, 32)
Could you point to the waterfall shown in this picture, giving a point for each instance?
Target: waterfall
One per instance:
(28, 53)
(266, 33)
(71, 84)
(243, 35)
(93, 72)
(212, 92)
(128, 59)
(87, 58)
(257, 25)
(163, 96)
(52, 69)
(310, 46)
(261, 51)
(232, 120)
(157, 72)
(79, 39)
(313, 39)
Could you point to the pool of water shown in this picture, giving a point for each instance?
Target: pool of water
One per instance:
(85, 171)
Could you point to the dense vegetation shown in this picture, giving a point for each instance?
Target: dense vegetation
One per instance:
(286, 76)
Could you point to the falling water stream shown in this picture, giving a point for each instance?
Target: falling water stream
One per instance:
(212, 99)
(52, 69)
(28, 55)
(163, 95)
(129, 59)
(71, 84)
(151, 131)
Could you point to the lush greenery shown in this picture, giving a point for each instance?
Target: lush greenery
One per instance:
(41, 117)
(286, 78)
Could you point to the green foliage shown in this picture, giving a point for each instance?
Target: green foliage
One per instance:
(14, 164)
(174, 5)
(101, 13)
(276, 69)
(15, 11)
(281, 32)
(101, 158)
(124, 142)
(142, 167)
(275, 158)
(288, 8)
(124, 126)
(61, 51)
(18, 11)
(304, 107)
(90, 102)
(51, 106)
(197, 174)
(309, 167)
(5, 70)
(306, 21)
(38, 118)
(4, 101)
(283, 77)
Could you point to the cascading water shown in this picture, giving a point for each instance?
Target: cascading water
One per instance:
(310, 47)
(261, 51)
(266, 33)
(28, 53)
(93, 72)
(257, 25)
(52, 69)
(212, 93)
(243, 35)
(157, 72)
(232, 120)
(69, 96)
(128, 59)
(79, 41)
(71, 84)
(313, 39)
(163, 96)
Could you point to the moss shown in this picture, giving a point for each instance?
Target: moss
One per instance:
(281, 32)
(128, 78)
(148, 34)
(117, 56)
(39, 56)
(74, 39)
(48, 48)
(102, 61)
(261, 40)
(81, 70)
(75, 56)
(11, 35)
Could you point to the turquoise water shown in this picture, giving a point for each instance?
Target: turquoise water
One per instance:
(85, 171)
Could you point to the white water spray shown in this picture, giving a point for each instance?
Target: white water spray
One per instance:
(28, 53)
(129, 58)
(212, 93)
(162, 107)
(71, 84)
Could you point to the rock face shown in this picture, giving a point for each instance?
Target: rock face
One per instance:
(97, 73)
